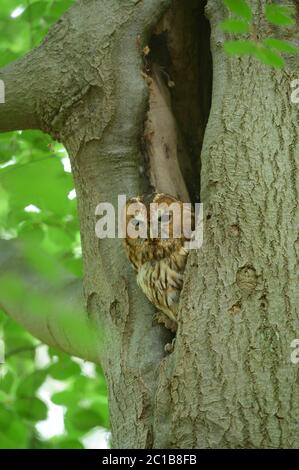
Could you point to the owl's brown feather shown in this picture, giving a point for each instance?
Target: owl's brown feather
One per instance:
(159, 263)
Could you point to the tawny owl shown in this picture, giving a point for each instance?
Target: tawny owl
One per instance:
(154, 245)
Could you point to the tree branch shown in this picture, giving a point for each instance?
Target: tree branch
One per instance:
(51, 311)
(19, 108)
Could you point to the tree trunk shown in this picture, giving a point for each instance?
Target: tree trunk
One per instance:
(229, 382)
(239, 310)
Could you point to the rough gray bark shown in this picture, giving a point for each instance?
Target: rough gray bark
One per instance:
(240, 300)
(229, 381)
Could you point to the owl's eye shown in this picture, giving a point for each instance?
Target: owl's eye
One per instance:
(164, 218)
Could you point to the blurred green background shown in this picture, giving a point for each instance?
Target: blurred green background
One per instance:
(47, 399)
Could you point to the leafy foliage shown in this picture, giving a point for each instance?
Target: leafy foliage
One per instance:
(240, 8)
(235, 26)
(23, 24)
(38, 207)
(279, 14)
(24, 379)
(267, 50)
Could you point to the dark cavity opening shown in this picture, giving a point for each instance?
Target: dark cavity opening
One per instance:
(180, 46)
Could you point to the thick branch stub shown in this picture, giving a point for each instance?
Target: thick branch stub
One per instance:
(18, 109)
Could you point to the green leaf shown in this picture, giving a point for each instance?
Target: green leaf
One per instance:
(16, 341)
(6, 416)
(56, 354)
(34, 12)
(32, 409)
(18, 433)
(235, 26)
(45, 265)
(28, 386)
(64, 398)
(279, 14)
(240, 8)
(84, 420)
(41, 183)
(282, 46)
(59, 7)
(6, 382)
(268, 57)
(3, 396)
(63, 370)
(7, 442)
(69, 444)
(56, 240)
(240, 47)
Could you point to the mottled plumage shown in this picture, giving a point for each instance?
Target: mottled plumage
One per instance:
(159, 263)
